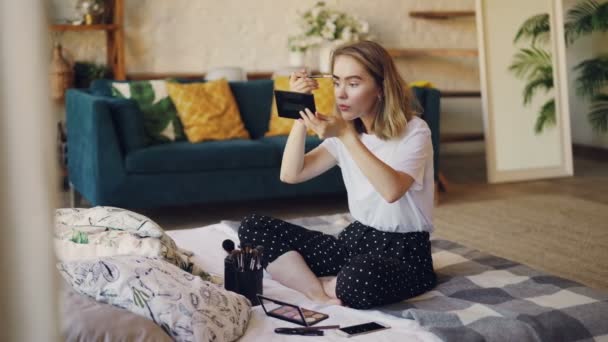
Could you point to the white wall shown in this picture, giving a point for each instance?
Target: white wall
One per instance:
(583, 48)
(195, 35)
(28, 307)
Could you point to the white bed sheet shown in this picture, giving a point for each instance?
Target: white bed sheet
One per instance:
(206, 243)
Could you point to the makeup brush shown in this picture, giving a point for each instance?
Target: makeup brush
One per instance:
(228, 245)
(260, 250)
(320, 76)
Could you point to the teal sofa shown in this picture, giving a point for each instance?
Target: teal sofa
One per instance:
(109, 162)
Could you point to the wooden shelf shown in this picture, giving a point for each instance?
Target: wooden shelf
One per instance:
(68, 27)
(441, 14)
(461, 137)
(115, 50)
(460, 93)
(433, 52)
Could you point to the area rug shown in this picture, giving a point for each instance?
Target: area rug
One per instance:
(558, 234)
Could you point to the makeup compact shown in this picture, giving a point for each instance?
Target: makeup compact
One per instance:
(289, 103)
(290, 312)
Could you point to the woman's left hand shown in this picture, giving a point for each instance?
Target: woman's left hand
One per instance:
(327, 126)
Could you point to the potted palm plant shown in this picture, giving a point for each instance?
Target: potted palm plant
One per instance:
(534, 63)
(583, 19)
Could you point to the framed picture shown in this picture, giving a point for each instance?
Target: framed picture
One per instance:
(524, 89)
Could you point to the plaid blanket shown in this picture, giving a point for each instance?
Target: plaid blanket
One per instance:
(481, 297)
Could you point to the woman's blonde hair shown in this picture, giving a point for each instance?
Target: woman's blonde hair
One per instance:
(396, 105)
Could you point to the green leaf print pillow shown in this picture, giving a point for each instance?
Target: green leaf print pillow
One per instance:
(161, 122)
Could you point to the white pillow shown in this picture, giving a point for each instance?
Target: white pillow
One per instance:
(107, 231)
(99, 219)
(185, 306)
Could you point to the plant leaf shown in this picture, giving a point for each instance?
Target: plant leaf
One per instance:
(598, 117)
(142, 92)
(584, 18)
(535, 28)
(593, 75)
(544, 81)
(532, 62)
(546, 116)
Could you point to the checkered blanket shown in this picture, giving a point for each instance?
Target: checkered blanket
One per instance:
(481, 297)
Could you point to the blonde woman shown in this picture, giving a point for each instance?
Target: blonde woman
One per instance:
(386, 157)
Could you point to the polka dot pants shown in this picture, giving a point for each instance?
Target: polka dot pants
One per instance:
(373, 267)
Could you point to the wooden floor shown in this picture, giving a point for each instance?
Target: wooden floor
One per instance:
(467, 181)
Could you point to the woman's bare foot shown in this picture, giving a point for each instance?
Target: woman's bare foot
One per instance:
(329, 285)
(334, 301)
(326, 300)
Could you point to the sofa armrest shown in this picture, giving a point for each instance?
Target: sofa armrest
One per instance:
(95, 160)
(431, 104)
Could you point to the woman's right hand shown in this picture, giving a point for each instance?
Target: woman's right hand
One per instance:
(300, 83)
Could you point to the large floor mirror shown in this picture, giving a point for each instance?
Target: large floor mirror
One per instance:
(524, 89)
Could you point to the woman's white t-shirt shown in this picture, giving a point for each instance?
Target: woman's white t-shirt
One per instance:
(411, 153)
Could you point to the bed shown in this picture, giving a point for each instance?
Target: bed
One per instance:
(479, 297)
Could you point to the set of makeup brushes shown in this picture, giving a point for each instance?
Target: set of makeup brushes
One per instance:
(248, 258)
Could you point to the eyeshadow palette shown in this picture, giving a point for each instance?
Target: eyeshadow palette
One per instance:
(290, 312)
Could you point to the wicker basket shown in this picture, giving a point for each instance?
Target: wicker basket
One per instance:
(61, 74)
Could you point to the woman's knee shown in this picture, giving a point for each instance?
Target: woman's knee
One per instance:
(367, 282)
(355, 284)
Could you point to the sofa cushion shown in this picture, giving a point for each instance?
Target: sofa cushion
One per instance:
(278, 143)
(129, 123)
(324, 102)
(103, 86)
(208, 110)
(207, 156)
(160, 117)
(254, 99)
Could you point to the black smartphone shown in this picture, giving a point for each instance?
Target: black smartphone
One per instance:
(289, 103)
(361, 329)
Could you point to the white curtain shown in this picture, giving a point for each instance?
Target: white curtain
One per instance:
(28, 278)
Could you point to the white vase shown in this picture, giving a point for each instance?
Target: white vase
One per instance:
(296, 58)
(325, 51)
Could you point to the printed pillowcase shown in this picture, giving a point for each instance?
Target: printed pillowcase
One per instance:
(161, 122)
(185, 306)
(82, 234)
(324, 101)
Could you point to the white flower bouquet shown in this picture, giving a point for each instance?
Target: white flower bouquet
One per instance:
(321, 24)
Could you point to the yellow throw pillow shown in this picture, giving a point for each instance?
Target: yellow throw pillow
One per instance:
(208, 111)
(422, 84)
(324, 101)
